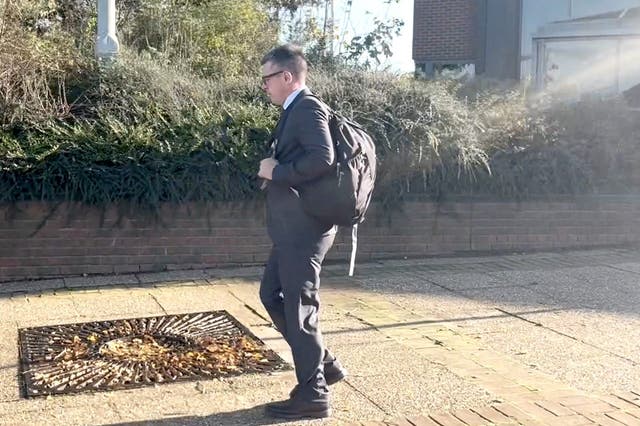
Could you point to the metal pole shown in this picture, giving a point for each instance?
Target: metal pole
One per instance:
(332, 29)
(325, 28)
(570, 9)
(107, 45)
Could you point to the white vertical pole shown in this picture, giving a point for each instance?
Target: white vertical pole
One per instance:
(107, 45)
(325, 28)
(618, 70)
(332, 29)
(570, 9)
(539, 63)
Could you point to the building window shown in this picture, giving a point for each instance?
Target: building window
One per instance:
(573, 67)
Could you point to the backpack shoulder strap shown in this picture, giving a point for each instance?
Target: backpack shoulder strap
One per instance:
(326, 105)
(354, 248)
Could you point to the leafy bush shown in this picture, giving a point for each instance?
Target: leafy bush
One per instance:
(40, 65)
(149, 135)
(159, 126)
(213, 37)
(605, 136)
(438, 138)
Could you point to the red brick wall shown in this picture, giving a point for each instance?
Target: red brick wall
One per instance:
(444, 30)
(74, 240)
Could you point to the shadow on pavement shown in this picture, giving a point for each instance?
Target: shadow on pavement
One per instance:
(250, 416)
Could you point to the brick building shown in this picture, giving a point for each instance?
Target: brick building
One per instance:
(513, 39)
(480, 33)
(444, 32)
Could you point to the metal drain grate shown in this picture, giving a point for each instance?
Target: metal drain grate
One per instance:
(128, 353)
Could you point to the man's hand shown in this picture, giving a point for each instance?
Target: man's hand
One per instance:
(266, 168)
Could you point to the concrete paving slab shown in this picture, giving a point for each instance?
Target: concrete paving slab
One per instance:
(247, 294)
(397, 382)
(115, 304)
(598, 287)
(628, 266)
(518, 328)
(250, 392)
(604, 256)
(7, 307)
(34, 286)
(348, 301)
(516, 298)
(601, 374)
(613, 292)
(178, 283)
(81, 409)
(393, 377)
(167, 401)
(192, 298)
(9, 354)
(445, 307)
(9, 388)
(171, 276)
(348, 336)
(466, 281)
(8, 342)
(236, 401)
(101, 281)
(580, 365)
(250, 272)
(444, 296)
(36, 310)
(593, 328)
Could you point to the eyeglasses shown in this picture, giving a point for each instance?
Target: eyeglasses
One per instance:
(266, 78)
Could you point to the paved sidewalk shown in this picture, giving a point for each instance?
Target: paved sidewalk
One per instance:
(537, 339)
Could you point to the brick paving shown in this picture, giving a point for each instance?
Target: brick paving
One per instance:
(532, 398)
(517, 393)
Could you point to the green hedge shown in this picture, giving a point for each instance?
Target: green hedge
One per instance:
(148, 133)
(150, 129)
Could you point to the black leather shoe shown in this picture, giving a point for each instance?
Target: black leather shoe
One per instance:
(294, 408)
(332, 375)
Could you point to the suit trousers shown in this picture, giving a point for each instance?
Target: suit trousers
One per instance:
(289, 292)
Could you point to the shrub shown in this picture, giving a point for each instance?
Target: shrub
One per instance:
(213, 37)
(605, 135)
(150, 135)
(439, 138)
(40, 66)
(154, 127)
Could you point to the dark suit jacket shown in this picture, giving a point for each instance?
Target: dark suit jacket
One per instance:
(304, 151)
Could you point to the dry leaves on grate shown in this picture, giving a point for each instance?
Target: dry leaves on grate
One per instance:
(130, 353)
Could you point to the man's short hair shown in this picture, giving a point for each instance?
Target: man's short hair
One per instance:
(289, 57)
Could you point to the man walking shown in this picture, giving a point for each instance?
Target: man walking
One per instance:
(302, 151)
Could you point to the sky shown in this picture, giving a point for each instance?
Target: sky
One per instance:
(360, 22)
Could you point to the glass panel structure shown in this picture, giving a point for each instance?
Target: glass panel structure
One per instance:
(629, 63)
(537, 13)
(574, 67)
